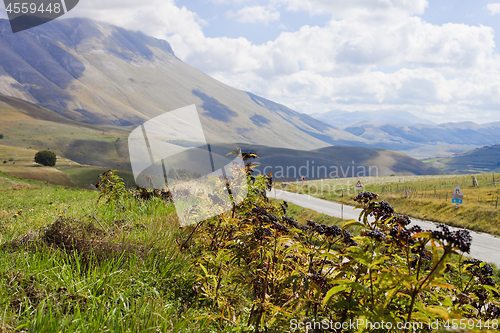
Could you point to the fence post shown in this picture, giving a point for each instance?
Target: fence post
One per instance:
(342, 213)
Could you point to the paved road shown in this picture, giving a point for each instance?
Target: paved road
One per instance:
(484, 246)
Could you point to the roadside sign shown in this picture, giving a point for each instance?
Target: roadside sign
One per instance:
(457, 196)
(358, 186)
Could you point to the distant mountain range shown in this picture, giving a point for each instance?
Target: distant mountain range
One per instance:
(464, 133)
(342, 118)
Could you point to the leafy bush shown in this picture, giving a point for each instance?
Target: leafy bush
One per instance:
(112, 187)
(46, 157)
(261, 269)
(254, 269)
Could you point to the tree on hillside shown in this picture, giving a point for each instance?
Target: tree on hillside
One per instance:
(46, 157)
(1, 136)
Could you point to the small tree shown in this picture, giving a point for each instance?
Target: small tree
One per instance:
(1, 136)
(46, 157)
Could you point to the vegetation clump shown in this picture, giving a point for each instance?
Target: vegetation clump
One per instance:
(46, 158)
(263, 268)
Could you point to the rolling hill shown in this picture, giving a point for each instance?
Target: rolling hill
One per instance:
(483, 159)
(85, 147)
(333, 162)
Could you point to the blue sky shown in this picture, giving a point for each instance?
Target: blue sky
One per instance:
(438, 59)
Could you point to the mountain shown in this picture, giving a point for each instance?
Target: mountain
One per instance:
(343, 118)
(483, 159)
(450, 133)
(79, 87)
(99, 74)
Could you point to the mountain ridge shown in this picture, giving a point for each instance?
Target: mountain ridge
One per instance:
(344, 118)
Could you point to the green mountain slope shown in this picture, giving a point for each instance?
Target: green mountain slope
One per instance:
(484, 159)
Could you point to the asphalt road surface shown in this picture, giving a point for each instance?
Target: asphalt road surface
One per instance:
(484, 246)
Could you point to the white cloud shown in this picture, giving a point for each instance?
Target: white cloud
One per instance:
(158, 18)
(494, 8)
(352, 8)
(254, 14)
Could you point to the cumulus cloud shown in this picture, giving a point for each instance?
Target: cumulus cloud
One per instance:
(494, 8)
(158, 18)
(254, 14)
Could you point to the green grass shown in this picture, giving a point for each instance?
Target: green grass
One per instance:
(427, 197)
(49, 289)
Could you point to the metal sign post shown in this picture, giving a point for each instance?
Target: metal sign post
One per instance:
(457, 197)
(342, 208)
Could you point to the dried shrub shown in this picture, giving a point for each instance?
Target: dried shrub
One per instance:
(87, 240)
(91, 243)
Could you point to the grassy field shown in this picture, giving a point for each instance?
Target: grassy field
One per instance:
(19, 162)
(424, 197)
(72, 263)
(83, 176)
(31, 127)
